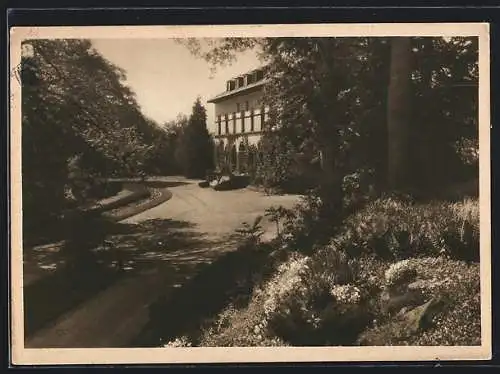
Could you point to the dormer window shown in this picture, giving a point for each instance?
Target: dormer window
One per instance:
(240, 82)
(231, 85)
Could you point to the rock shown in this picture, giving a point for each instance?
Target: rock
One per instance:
(421, 316)
(407, 323)
(391, 302)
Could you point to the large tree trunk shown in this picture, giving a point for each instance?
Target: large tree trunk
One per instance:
(331, 185)
(398, 113)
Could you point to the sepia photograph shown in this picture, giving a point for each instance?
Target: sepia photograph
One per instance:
(250, 193)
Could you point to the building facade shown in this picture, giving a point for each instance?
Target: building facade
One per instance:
(240, 115)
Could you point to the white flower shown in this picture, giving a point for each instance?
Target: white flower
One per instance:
(346, 294)
(287, 279)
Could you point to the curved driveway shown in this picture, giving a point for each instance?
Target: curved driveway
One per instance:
(115, 316)
(215, 213)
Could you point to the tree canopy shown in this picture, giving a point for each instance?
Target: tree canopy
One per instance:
(330, 96)
(75, 103)
(195, 147)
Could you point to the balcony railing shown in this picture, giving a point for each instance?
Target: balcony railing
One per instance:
(249, 121)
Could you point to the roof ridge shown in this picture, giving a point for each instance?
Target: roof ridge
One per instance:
(238, 90)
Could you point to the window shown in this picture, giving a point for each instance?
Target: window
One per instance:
(252, 126)
(234, 123)
(242, 122)
(250, 78)
(237, 107)
(260, 75)
(247, 106)
(227, 124)
(240, 82)
(219, 127)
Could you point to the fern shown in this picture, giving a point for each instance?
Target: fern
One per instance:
(253, 232)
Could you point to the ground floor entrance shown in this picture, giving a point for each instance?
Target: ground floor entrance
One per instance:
(239, 155)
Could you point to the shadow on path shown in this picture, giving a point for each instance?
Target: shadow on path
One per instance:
(101, 253)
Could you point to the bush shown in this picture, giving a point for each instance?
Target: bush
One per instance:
(101, 189)
(303, 228)
(397, 229)
(308, 301)
(278, 168)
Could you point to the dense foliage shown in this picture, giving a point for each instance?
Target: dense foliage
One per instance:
(365, 260)
(335, 296)
(195, 147)
(80, 121)
(330, 97)
(394, 229)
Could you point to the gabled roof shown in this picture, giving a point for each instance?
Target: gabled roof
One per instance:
(249, 87)
(235, 92)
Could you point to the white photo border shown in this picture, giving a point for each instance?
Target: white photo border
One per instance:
(24, 356)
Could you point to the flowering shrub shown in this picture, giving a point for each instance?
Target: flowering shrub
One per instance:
(346, 294)
(287, 280)
(308, 298)
(304, 302)
(399, 272)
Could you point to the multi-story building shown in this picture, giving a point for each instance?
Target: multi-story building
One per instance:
(240, 115)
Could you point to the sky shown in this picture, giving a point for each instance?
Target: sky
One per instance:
(167, 78)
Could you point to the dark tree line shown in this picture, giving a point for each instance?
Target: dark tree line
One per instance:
(399, 111)
(80, 123)
(194, 146)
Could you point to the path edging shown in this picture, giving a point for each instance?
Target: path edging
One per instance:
(164, 196)
(131, 197)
